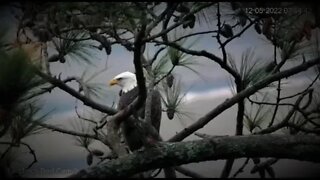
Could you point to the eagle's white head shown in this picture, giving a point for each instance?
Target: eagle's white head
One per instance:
(126, 80)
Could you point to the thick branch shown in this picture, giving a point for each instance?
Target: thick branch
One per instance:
(299, 147)
(138, 44)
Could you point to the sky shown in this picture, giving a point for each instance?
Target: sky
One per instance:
(58, 155)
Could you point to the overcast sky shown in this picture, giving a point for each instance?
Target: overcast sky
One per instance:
(57, 154)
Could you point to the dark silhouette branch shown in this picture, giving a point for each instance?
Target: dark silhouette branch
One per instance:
(240, 170)
(180, 22)
(285, 121)
(188, 172)
(299, 93)
(45, 90)
(158, 19)
(31, 151)
(204, 54)
(83, 118)
(263, 165)
(241, 32)
(65, 131)
(303, 129)
(156, 55)
(278, 88)
(269, 103)
(138, 44)
(125, 43)
(194, 34)
(171, 8)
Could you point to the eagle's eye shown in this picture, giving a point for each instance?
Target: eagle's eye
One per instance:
(120, 78)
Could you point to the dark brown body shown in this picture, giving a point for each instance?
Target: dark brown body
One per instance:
(132, 134)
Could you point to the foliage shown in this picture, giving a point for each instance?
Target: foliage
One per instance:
(85, 127)
(177, 59)
(17, 78)
(256, 119)
(73, 50)
(25, 123)
(251, 69)
(173, 99)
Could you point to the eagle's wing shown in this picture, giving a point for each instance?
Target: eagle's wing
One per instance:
(156, 109)
(127, 98)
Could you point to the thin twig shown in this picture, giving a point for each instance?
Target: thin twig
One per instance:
(46, 89)
(303, 129)
(262, 165)
(89, 102)
(169, 72)
(65, 131)
(188, 172)
(177, 23)
(299, 93)
(156, 55)
(285, 121)
(194, 34)
(83, 118)
(239, 96)
(240, 170)
(202, 53)
(278, 88)
(31, 151)
(241, 32)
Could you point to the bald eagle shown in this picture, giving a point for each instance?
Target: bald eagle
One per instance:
(128, 93)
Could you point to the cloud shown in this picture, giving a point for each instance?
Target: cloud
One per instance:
(208, 94)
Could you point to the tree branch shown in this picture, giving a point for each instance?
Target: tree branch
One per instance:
(65, 131)
(240, 170)
(31, 151)
(299, 147)
(299, 93)
(46, 89)
(194, 34)
(264, 164)
(188, 172)
(241, 32)
(204, 54)
(138, 44)
(165, 31)
(238, 97)
(158, 19)
(285, 121)
(60, 84)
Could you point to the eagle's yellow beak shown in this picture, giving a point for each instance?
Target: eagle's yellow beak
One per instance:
(113, 82)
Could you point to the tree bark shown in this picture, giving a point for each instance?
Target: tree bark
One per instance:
(299, 147)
